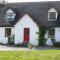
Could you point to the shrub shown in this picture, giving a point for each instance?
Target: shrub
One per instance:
(42, 32)
(56, 44)
(18, 45)
(30, 46)
(11, 40)
(53, 40)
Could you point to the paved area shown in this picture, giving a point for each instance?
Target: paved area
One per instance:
(8, 48)
(11, 48)
(47, 48)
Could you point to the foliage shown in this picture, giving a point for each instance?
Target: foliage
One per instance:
(30, 46)
(53, 40)
(11, 39)
(56, 44)
(18, 45)
(42, 32)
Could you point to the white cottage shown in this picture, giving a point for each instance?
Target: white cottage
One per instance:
(22, 20)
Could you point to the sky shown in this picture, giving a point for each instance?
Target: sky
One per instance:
(30, 0)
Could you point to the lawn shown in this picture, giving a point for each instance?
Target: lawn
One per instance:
(31, 55)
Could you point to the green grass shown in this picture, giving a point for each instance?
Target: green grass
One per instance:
(31, 55)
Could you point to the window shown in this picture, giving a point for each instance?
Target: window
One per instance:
(10, 16)
(7, 32)
(51, 33)
(52, 14)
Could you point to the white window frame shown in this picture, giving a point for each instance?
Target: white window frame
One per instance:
(52, 10)
(9, 17)
(9, 11)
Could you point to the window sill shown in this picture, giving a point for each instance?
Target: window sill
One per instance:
(9, 20)
(52, 19)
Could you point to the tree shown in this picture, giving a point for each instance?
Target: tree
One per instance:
(42, 32)
(3, 1)
(3, 4)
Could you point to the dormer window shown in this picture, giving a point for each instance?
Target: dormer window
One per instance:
(52, 14)
(10, 15)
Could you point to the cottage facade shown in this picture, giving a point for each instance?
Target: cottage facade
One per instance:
(22, 20)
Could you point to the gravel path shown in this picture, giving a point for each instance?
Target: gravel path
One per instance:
(7, 48)
(12, 48)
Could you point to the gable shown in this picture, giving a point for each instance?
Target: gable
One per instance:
(26, 21)
(9, 11)
(52, 10)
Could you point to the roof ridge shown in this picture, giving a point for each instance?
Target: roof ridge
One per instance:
(32, 2)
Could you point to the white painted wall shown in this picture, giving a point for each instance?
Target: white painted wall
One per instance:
(3, 39)
(26, 22)
(57, 34)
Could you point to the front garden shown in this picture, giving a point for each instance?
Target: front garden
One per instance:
(31, 55)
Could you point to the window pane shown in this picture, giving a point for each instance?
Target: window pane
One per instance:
(52, 15)
(10, 16)
(7, 32)
(51, 32)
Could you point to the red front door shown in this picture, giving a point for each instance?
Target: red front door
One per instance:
(26, 35)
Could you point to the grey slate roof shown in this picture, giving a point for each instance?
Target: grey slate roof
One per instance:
(38, 11)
